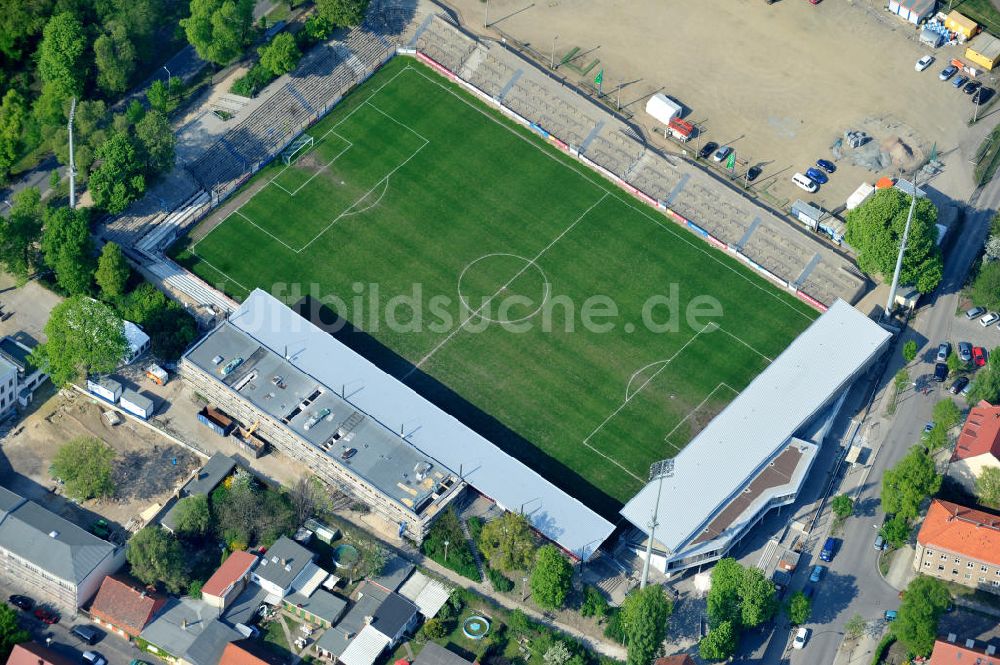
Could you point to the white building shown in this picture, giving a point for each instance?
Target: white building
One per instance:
(138, 342)
(8, 387)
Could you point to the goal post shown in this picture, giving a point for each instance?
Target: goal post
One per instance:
(296, 148)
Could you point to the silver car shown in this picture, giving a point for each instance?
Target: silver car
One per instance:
(944, 350)
(965, 352)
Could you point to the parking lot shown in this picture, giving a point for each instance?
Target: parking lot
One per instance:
(778, 82)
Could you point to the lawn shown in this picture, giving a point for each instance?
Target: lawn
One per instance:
(982, 12)
(547, 309)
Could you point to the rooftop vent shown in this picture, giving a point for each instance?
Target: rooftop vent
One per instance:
(53, 534)
(274, 559)
(969, 644)
(288, 567)
(991, 650)
(952, 637)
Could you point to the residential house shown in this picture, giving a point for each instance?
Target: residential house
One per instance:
(961, 545)
(32, 653)
(203, 482)
(434, 654)
(188, 632)
(948, 652)
(123, 608)
(978, 446)
(57, 560)
(285, 564)
(377, 621)
(229, 581)
(17, 350)
(249, 652)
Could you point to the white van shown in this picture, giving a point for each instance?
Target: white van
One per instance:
(805, 182)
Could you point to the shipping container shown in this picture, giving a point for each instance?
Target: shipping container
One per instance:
(157, 374)
(106, 388)
(136, 404)
(682, 130)
(216, 420)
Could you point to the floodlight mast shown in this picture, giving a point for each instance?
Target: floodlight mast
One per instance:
(657, 471)
(891, 302)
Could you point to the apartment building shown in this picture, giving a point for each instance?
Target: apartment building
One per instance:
(961, 545)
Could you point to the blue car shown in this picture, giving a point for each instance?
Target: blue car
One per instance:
(817, 176)
(960, 81)
(817, 574)
(829, 166)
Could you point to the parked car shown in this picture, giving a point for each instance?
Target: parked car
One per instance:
(964, 352)
(805, 182)
(349, 453)
(808, 591)
(978, 356)
(817, 573)
(93, 658)
(948, 72)
(974, 312)
(890, 616)
(826, 165)
(960, 383)
(753, 172)
(944, 350)
(960, 81)
(22, 602)
(879, 543)
(966, 389)
(88, 634)
(721, 153)
(817, 175)
(940, 372)
(800, 638)
(46, 617)
(971, 87)
(829, 549)
(924, 63)
(707, 149)
(989, 319)
(928, 426)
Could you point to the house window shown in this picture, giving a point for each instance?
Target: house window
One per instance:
(983, 568)
(927, 564)
(941, 568)
(929, 552)
(954, 571)
(958, 559)
(982, 580)
(968, 576)
(996, 582)
(944, 557)
(969, 565)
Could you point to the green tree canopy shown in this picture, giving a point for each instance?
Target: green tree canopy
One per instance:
(986, 383)
(875, 230)
(742, 596)
(11, 632)
(85, 465)
(68, 248)
(280, 55)
(192, 516)
(156, 556)
(83, 336)
(896, 531)
(342, 13)
(799, 608)
(507, 542)
(89, 132)
(119, 179)
(644, 615)
(551, 577)
(906, 485)
(157, 140)
(855, 626)
(13, 120)
(947, 413)
(986, 286)
(20, 232)
(916, 622)
(115, 58)
(988, 487)
(720, 643)
(219, 29)
(842, 506)
(61, 62)
(112, 271)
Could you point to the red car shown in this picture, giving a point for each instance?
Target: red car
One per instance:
(46, 617)
(979, 356)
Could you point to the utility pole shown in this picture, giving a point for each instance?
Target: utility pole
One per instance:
(902, 249)
(657, 471)
(746, 182)
(619, 102)
(486, 16)
(72, 163)
(552, 55)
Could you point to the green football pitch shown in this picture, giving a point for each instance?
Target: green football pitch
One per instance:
(414, 188)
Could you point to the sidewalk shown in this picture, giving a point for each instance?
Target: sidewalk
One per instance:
(901, 568)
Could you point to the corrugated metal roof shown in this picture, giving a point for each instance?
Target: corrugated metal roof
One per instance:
(365, 648)
(427, 594)
(718, 463)
(435, 433)
(986, 45)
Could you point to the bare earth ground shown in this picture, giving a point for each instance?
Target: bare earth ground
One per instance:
(780, 83)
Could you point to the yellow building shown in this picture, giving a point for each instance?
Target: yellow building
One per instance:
(962, 25)
(984, 50)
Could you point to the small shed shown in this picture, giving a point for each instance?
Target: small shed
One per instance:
(137, 404)
(984, 50)
(907, 297)
(961, 25)
(913, 11)
(663, 108)
(931, 38)
(808, 214)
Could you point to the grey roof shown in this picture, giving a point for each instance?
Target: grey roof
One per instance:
(283, 562)
(336, 639)
(432, 654)
(209, 476)
(322, 604)
(18, 352)
(246, 604)
(207, 648)
(393, 614)
(394, 572)
(786, 396)
(179, 624)
(430, 431)
(9, 501)
(55, 545)
(138, 399)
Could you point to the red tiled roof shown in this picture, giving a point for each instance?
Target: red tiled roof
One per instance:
(248, 652)
(125, 606)
(972, 533)
(31, 653)
(679, 659)
(980, 434)
(946, 653)
(236, 566)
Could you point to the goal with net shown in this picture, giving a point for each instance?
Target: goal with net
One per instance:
(296, 148)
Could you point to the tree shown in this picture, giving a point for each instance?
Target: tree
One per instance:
(557, 654)
(551, 578)
(986, 384)
(115, 58)
(937, 438)
(112, 271)
(954, 363)
(896, 531)
(644, 615)
(280, 55)
(594, 603)
(507, 542)
(11, 632)
(119, 179)
(434, 629)
(342, 13)
(988, 487)
(906, 485)
(947, 413)
(170, 328)
(218, 29)
(306, 494)
(758, 601)
(83, 336)
(157, 140)
(723, 596)
(720, 643)
(875, 229)
(156, 556)
(855, 626)
(13, 119)
(192, 516)
(68, 248)
(19, 235)
(799, 608)
(986, 286)
(916, 622)
(910, 350)
(158, 96)
(61, 64)
(85, 465)
(842, 506)
(89, 132)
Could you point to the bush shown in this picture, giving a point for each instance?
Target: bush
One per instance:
(594, 603)
(252, 82)
(882, 647)
(500, 582)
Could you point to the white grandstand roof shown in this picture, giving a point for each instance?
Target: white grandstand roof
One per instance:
(433, 432)
(719, 462)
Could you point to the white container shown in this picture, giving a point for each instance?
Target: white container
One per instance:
(106, 388)
(136, 404)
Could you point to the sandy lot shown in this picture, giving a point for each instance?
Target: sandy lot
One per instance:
(780, 83)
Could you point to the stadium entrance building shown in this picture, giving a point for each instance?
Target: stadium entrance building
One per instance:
(756, 454)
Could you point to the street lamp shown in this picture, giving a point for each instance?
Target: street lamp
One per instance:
(524, 589)
(552, 56)
(446, 543)
(657, 471)
(168, 73)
